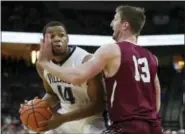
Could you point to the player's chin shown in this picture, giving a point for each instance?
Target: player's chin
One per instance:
(114, 37)
(58, 53)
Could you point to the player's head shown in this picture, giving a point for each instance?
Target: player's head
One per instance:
(59, 37)
(127, 19)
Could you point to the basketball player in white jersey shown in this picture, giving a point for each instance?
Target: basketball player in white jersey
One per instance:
(81, 105)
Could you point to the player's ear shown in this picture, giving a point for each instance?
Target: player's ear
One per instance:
(124, 25)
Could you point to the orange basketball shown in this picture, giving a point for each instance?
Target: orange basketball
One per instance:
(33, 112)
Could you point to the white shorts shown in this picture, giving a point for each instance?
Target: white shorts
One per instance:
(90, 125)
(84, 126)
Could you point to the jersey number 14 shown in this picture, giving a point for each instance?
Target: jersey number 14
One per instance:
(66, 94)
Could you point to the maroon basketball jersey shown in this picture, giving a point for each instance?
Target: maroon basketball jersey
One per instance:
(131, 91)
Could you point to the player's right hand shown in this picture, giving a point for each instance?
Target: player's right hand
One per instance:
(46, 52)
(54, 122)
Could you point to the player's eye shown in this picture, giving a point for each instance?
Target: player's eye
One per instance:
(61, 35)
(52, 36)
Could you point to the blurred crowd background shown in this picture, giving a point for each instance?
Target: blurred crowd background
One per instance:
(89, 18)
(20, 80)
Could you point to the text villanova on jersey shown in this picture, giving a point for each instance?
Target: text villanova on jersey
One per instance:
(54, 79)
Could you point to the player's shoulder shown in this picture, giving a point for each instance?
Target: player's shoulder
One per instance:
(107, 52)
(79, 55)
(156, 59)
(152, 55)
(145, 50)
(110, 48)
(79, 51)
(109, 45)
(85, 55)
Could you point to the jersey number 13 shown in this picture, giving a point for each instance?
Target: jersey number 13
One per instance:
(144, 74)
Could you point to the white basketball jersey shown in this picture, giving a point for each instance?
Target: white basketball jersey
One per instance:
(71, 96)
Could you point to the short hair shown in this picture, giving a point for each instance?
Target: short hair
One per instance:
(51, 24)
(134, 15)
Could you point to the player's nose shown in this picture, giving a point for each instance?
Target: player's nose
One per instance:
(56, 38)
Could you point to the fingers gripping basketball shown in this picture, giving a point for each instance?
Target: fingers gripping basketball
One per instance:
(33, 112)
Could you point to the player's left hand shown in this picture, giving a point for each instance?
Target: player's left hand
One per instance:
(25, 102)
(46, 53)
(53, 123)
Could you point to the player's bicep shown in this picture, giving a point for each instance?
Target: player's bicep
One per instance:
(94, 66)
(48, 88)
(158, 93)
(157, 84)
(157, 62)
(40, 70)
(50, 96)
(99, 61)
(104, 54)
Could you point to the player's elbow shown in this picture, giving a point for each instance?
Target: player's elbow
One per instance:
(77, 80)
(77, 77)
(51, 99)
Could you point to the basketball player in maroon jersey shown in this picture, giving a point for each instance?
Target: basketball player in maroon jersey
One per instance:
(133, 89)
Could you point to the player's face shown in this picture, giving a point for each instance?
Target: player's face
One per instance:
(115, 24)
(59, 39)
(119, 26)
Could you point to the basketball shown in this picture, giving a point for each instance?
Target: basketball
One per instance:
(33, 112)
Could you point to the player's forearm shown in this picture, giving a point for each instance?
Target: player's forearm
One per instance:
(158, 93)
(158, 97)
(52, 100)
(158, 101)
(84, 112)
(68, 74)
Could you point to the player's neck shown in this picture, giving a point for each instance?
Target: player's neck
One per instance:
(61, 58)
(128, 37)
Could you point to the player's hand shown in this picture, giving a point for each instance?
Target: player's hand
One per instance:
(46, 53)
(25, 102)
(53, 123)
